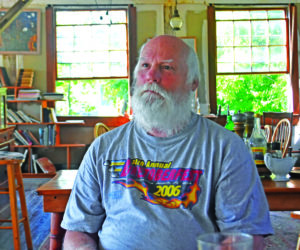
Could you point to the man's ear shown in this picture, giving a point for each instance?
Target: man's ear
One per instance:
(195, 85)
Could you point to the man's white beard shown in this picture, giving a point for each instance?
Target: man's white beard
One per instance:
(164, 112)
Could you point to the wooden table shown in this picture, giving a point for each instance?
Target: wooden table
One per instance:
(56, 193)
(282, 196)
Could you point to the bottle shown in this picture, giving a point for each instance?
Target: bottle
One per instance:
(229, 123)
(258, 143)
(249, 123)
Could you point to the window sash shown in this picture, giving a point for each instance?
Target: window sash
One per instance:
(226, 43)
(292, 51)
(51, 49)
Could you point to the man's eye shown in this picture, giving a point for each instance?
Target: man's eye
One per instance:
(167, 67)
(145, 65)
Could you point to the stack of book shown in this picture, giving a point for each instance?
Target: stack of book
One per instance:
(20, 116)
(29, 94)
(47, 135)
(25, 137)
(48, 115)
(25, 78)
(53, 96)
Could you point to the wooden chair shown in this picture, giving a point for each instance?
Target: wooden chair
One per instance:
(273, 118)
(282, 134)
(14, 176)
(268, 132)
(99, 129)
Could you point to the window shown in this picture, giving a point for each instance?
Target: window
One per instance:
(91, 61)
(251, 41)
(250, 69)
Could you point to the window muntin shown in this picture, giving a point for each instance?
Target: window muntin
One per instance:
(92, 62)
(251, 41)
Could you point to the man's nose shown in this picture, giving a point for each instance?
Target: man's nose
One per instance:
(154, 74)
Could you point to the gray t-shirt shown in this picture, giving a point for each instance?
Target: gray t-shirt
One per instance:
(143, 192)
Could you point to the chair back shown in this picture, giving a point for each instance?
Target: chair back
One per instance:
(268, 132)
(272, 118)
(282, 134)
(99, 129)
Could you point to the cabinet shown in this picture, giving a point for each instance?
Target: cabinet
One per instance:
(35, 110)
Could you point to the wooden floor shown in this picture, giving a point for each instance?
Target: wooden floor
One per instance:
(39, 221)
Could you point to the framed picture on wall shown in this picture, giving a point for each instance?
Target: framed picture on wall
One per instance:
(191, 41)
(22, 36)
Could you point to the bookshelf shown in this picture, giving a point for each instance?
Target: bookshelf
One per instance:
(38, 126)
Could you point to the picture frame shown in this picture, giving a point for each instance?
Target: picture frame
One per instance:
(190, 41)
(22, 36)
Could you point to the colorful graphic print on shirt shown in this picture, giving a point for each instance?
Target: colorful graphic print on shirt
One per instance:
(158, 182)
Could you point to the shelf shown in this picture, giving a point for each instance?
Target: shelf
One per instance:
(33, 100)
(44, 110)
(47, 123)
(16, 87)
(34, 123)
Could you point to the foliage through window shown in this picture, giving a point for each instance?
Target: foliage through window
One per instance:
(92, 62)
(252, 59)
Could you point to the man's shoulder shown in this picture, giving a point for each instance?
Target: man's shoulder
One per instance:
(117, 130)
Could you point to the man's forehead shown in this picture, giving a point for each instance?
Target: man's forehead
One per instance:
(145, 58)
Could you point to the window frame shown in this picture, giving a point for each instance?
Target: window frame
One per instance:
(52, 60)
(287, 40)
(292, 55)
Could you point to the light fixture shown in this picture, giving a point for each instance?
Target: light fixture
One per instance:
(176, 21)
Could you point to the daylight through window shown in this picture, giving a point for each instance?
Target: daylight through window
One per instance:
(252, 59)
(92, 62)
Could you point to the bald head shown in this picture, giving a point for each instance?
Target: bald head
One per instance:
(167, 42)
(172, 49)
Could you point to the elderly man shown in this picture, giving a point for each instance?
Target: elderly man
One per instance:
(169, 175)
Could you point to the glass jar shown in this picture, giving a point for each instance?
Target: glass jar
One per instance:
(258, 143)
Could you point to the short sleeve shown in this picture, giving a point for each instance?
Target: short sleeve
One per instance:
(241, 204)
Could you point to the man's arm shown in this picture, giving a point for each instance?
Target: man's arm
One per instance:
(258, 242)
(80, 241)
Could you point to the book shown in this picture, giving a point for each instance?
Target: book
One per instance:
(12, 155)
(15, 116)
(24, 159)
(45, 113)
(24, 116)
(46, 165)
(29, 94)
(34, 119)
(53, 96)
(52, 115)
(26, 136)
(4, 79)
(33, 163)
(20, 138)
(10, 118)
(34, 140)
(25, 78)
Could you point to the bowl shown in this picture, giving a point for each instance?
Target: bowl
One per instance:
(280, 167)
